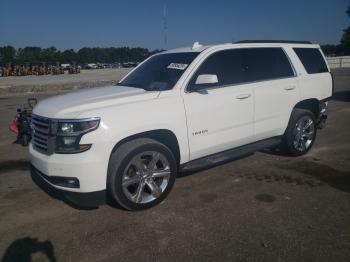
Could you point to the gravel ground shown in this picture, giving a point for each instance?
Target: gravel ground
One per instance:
(265, 207)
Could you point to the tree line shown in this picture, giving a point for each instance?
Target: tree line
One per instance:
(343, 48)
(36, 55)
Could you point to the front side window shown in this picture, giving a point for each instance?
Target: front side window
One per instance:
(312, 60)
(244, 65)
(160, 72)
(226, 65)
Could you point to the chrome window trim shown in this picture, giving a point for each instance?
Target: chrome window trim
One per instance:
(242, 83)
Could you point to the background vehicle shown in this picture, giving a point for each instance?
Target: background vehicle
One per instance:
(181, 110)
(21, 123)
(91, 66)
(65, 66)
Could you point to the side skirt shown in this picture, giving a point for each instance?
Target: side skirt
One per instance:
(229, 155)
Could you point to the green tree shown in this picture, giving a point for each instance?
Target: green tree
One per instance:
(85, 55)
(68, 56)
(7, 54)
(331, 50)
(345, 41)
(31, 54)
(50, 55)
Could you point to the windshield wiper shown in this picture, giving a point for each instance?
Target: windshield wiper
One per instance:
(140, 87)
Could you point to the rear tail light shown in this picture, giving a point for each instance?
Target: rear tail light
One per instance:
(332, 83)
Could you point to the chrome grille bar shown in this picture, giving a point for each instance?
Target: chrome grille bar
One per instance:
(41, 134)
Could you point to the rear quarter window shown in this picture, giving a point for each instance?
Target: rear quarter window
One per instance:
(312, 60)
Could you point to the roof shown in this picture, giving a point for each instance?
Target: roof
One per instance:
(272, 41)
(199, 48)
(187, 49)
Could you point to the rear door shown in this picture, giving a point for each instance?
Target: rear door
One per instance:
(275, 89)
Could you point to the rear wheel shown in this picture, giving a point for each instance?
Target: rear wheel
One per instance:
(300, 134)
(141, 174)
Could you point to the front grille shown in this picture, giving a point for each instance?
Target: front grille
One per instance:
(41, 139)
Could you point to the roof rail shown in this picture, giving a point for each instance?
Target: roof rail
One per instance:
(272, 41)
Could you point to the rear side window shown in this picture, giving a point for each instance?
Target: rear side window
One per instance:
(237, 66)
(312, 60)
(266, 64)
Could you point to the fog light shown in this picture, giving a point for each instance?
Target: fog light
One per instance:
(71, 181)
(68, 140)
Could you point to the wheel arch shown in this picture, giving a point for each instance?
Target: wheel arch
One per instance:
(311, 104)
(164, 136)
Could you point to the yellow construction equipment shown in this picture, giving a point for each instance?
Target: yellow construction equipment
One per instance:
(6, 71)
(42, 70)
(57, 70)
(32, 69)
(26, 70)
(15, 70)
(74, 69)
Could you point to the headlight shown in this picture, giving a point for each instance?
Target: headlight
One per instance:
(67, 128)
(69, 133)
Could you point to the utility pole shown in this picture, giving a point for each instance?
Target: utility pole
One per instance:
(165, 27)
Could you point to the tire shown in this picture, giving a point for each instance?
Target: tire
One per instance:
(141, 165)
(300, 133)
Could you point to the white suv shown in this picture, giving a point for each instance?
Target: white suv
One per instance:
(179, 110)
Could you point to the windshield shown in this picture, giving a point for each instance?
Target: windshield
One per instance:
(160, 72)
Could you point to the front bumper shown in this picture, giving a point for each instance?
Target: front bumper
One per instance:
(75, 199)
(87, 170)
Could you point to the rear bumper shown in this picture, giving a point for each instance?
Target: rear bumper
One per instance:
(75, 199)
(322, 117)
(321, 122)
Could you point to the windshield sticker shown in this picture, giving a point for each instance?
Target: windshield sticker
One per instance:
(177, 66)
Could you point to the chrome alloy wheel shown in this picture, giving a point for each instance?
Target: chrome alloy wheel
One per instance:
(146, 177)
(303, 133)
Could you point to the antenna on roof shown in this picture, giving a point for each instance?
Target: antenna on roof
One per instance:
(196, 45)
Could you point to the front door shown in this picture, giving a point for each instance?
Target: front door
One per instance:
(219, 115)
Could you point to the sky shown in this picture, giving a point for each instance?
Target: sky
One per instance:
(75, 24)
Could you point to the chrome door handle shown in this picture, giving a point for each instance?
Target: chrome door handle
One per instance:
(243, 96)
(289, 88)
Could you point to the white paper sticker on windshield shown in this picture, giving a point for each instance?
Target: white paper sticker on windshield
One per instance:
(177, 66)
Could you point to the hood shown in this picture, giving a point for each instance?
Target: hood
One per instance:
(72, 104)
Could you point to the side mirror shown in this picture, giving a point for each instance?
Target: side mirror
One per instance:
(206, 79)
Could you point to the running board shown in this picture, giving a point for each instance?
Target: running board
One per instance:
(229, 155)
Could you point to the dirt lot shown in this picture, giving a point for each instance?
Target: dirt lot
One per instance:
(265, 207)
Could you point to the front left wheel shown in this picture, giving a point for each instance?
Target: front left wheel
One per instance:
(141, 173)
